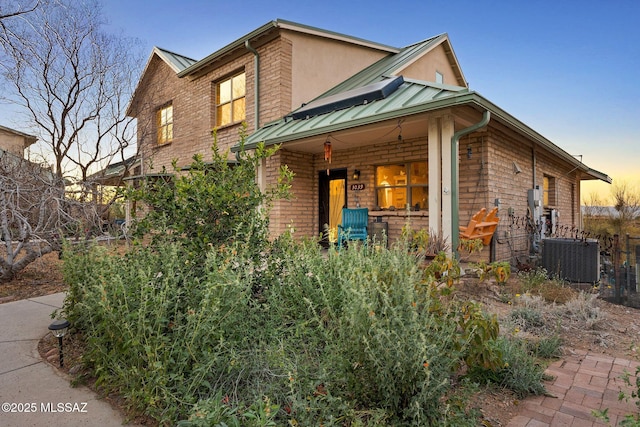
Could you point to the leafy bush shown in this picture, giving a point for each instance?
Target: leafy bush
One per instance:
(212, 203)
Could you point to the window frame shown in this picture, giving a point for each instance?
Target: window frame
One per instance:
(232, 100)
(163, 129)
(549, 197)
(408, 186)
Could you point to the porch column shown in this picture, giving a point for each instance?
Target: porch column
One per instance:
(448, 129)
(261, 175)
(435, 174)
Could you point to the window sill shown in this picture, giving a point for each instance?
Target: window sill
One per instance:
(399, 213)
(227, 126)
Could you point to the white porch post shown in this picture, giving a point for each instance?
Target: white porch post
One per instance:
(261, 175)
(435, 173)
(448, 129)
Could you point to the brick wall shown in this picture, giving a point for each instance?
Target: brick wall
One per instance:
(301, 211)
(193, 102)
(489, 175)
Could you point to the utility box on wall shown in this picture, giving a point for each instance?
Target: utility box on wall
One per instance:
(574, 260)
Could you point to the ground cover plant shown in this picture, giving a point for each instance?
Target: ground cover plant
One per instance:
(202, 326)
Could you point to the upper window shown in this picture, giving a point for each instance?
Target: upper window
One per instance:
(164, 120)
(230, 100)
(402, 185)
(439, 77)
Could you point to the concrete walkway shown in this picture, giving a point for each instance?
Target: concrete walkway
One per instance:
(582, 382)
(32, 392)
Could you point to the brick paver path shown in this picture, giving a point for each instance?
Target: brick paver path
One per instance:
(581, 383)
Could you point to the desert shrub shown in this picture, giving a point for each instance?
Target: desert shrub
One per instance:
(547, 347)
(532, 279)
(583, 308)
(527, 318)
(520, 371)
(359, 337)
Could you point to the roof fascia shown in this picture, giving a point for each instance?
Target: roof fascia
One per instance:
(301, 28)
(522, 128)
(286, 25)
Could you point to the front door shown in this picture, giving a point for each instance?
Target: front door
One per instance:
(332, 197)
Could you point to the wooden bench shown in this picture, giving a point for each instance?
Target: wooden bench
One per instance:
(480, 226)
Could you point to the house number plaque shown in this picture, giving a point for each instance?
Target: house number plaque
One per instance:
(357, 187)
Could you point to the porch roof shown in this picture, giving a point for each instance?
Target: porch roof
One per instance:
(411, 98)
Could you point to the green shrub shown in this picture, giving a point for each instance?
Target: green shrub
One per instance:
(214, 202)
(356, 336)
(213, 324)
(520, 372)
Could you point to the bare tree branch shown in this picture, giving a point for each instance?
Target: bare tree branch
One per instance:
(72, 81)
(19, 9)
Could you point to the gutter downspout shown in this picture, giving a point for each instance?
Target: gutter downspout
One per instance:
(455, 191)
(256, 64)
(260, 172)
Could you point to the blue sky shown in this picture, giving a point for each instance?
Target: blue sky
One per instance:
(567, 68)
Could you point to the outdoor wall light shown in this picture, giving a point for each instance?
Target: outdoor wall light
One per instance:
(469, 152)
(59, 329)
(356, 175)
(516, 168)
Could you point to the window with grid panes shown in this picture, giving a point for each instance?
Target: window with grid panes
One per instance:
(164, 120)
(402, 185)
(230, 100)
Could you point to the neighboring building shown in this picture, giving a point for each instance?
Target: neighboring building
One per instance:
(400, 124)
(15, 142)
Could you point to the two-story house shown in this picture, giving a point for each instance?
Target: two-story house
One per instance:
(361, 124)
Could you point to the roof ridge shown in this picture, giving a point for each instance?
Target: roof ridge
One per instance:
(427, 40)
(174, 53)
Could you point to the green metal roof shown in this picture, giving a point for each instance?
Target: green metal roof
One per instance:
(412, 97)
(409, 95)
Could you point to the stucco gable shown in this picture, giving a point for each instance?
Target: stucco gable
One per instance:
(431, 56)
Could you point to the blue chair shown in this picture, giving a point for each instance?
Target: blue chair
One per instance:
(354, 225)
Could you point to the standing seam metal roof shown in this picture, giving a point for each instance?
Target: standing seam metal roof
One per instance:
(176, 61)
(409, 94)
(412, 97)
